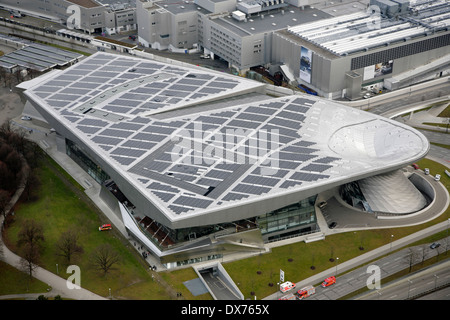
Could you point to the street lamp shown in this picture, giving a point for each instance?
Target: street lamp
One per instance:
(337, 259)
(435, 281)
(392, 236)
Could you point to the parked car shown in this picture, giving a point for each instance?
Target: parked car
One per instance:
(332, 225)
(437, 177)
(435, 245)
(26, 118)
(426, 171)
(104, 227)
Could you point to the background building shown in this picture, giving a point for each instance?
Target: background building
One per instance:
(350, 54)
(95, 16)
(345, 48)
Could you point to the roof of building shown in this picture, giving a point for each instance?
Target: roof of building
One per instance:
(361, 31)
(85, 3)
(269, 21)
(37, 56)
(136, 114)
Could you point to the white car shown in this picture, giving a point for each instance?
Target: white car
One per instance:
(367, 96)
(437, 177)
(426, 171)
(26, 118)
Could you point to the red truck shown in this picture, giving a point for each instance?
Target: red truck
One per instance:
(306, 292)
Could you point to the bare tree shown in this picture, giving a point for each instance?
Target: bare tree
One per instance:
(412, 258)
(30, 259)
(104, 257)
(30, 235)
(4, 201)
(68, 246)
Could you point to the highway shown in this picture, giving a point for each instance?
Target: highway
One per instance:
(389, 265)
(413, 286)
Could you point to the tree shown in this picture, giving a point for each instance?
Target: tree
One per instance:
(412, 258)
(30, 259)
(4, 201)
(104, 257)
(31, 235)
(68, 246)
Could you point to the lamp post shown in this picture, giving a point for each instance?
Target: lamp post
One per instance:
(390, 249)
(337, 260)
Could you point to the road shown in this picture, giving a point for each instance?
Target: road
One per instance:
(389, 265)
(415, 285)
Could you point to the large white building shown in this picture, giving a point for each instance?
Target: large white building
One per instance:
(199, 164)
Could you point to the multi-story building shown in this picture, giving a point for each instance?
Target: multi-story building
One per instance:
(348, 55)
(345, 45)
(90, 16)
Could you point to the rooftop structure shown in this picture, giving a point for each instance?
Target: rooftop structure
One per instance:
(36, 56)
(362, 31)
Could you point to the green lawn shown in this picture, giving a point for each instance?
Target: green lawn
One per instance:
(61, 206)
(14, 281)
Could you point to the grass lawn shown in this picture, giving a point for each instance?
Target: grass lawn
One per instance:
(60, 207)
(14, 281)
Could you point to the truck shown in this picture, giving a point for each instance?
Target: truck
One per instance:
(306, 292)
(286, 286)
(329, 281)
(289, 296)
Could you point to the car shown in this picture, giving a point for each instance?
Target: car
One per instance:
(105, 227)
(132, 37)
(205, 56)
(332, 225)
(322, 204)
(426, 171)
(26, 118)
(367, 96)
(435, 245)
(329, 281)
(415, 166)
(437, 177)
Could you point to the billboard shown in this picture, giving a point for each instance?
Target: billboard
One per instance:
(378, 70)
(305, 64)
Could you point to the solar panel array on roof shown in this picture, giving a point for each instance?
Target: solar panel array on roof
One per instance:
(112, 112)
(38, 57)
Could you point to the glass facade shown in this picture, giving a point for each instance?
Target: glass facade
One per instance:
(287, 218)
(80, 157)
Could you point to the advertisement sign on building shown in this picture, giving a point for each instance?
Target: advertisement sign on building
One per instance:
(378, 70)
(305, 64)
